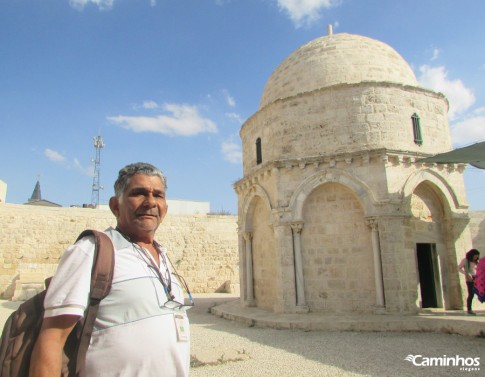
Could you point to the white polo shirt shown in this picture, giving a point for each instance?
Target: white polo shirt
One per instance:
(134, 334)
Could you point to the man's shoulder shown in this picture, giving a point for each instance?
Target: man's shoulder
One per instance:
(119, 242)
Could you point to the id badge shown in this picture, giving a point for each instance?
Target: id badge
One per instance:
(182, 327)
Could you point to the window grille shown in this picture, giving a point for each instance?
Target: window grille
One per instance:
(418, 139)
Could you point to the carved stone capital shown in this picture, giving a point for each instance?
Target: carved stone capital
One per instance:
(372, 223)
(248, 236)
(297, 226)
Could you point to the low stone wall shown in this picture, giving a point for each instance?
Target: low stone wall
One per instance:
(203, 248)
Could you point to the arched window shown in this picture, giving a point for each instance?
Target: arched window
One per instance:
(259, 154)
(418, 139)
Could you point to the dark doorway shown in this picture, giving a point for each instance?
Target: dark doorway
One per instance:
(426, 269)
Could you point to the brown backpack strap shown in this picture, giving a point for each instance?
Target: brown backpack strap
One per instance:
(101, 279)
(103, 265)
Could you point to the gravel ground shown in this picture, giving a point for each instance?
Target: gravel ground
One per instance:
(224, 348)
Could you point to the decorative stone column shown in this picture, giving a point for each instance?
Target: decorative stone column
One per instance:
(457, 241)
(296, 228)
(248, 236)
(376, 248)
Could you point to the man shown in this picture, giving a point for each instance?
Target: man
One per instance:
(140, 329)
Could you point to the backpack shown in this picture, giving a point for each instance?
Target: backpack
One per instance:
(22, 328)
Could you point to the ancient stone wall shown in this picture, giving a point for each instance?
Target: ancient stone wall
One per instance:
(477, 229)
(203, 248)
(264, 258)
(346, 119)
(337, 254)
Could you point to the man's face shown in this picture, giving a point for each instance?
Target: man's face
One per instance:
(142, 207)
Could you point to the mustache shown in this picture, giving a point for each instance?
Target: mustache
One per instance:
(148, 213)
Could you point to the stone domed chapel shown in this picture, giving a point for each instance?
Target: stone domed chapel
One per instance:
(336, 213)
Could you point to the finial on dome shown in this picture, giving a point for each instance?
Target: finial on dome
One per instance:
(330, 29)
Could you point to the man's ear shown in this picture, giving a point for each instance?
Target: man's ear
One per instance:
(114, 206)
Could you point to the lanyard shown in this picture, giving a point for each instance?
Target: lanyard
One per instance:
(166, 286)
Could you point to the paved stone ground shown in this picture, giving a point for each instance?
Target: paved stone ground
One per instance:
(241, 348)
(430, 320)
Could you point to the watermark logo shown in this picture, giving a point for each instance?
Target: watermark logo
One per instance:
(465, 364)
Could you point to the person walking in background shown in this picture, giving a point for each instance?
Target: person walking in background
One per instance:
(468, 267)
(479, 287)
(141, 328)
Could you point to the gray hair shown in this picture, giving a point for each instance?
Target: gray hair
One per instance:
(125, 174)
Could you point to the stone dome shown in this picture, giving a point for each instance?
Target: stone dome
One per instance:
(336, 59)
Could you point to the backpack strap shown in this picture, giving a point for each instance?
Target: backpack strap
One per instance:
(101, 279)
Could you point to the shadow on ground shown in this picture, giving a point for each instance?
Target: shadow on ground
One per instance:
(286, 352)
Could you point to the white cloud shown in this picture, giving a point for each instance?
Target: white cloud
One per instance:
(146, 105)
(89, 171)
(229, 99)
(305, 12)
(436, 53)
(235, 117)
(469, 130)
(150, 105)
(460, 97)
(53, 155)
(231, 152)
(182, 120)
(101, 4)
(69, 165)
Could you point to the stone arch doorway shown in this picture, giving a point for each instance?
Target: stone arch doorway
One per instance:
(336, 251)
(428, 225)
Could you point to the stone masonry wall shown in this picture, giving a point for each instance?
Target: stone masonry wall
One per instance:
(477, 229)
(346, 119)
(203, 248)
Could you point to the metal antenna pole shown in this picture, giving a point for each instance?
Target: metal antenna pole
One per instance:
(98, 144)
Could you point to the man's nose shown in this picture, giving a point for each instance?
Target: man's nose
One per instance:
(150, 200)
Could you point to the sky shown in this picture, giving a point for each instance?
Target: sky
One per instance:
(170, 82)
